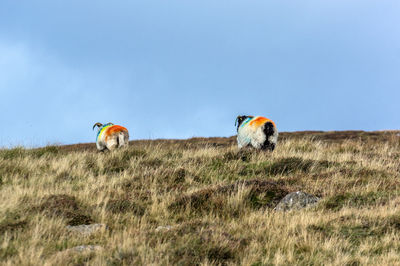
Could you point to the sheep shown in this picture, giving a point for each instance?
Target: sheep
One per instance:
(258, 132)
(110, 136)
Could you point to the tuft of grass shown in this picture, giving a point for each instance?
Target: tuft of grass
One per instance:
(290, 165)
(15, 153)
(66, 206)
(114, 165)
(12, 171)
(222, 247)
(261, 193)
(152, 163)
(243, 155)
(12, 222)
(129, 154)
(339, 201)
(286, 166)
(90, 164)
(46, 151)
(126, 205)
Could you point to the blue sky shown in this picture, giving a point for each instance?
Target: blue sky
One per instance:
(179, 69)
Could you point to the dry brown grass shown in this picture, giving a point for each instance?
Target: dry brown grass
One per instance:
(218, 201)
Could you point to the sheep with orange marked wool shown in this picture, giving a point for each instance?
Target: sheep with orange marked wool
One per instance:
(257, 132)
(110, 136)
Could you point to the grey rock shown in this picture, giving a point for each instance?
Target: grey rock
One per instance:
(86, 229)
(296, 201)
(59, 257)
(84, 248)
(163, 228)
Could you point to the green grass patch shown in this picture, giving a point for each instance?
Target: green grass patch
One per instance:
(285, 166)
(15, 153)
(65, 206)
(11, 222)
(46, 151)
(126, 205)
(261, 193)
(339, 201)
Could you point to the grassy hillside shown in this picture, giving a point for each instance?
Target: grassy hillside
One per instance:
(201, 201)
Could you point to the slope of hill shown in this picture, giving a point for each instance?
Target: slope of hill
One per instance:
(201, 201)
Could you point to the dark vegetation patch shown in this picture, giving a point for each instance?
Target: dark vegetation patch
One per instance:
(12, 170)
(349, 170)
(46, 151)
(152, 163)
(130, 153)
(9, 154)
(294, 164)
(77, 259)
(173, 154)
(303, 147)
(193, 251)
(358, 232)
(195, 240)
(341, 136)
(90, 164)
(353, 148)
(65, 176)
(383, 180)
(124, 257)
(342, 179)
(339, 201)
(65, 206)
(170, 179)
(12, 222)
(262, 193)
(131, 184)
(19, 152)
(176, 175)
(369, 173)
(390, 223)
(216, 163)
(8, 251)
(357, 229)
(286, 166)
(114, 164)
(136, 207)
(242, 155)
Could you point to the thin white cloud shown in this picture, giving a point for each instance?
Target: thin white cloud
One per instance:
(46, 98)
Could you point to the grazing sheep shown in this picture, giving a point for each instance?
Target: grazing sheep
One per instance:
(258, 132)
(110, 136)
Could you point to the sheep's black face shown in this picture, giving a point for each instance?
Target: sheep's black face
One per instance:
(240, 119)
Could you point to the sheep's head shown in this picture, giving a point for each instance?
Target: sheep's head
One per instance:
(240, 119)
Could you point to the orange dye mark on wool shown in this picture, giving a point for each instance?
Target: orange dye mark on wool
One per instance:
(114, 129)
(259, 121)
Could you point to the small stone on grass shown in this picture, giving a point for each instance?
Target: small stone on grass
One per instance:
(62, 255)
(84, 248)
(163, 228)
(86, 229)
(296, 201)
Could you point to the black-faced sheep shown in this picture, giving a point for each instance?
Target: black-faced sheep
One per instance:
(256, 131)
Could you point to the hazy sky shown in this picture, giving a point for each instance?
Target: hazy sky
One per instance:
(178, 69)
